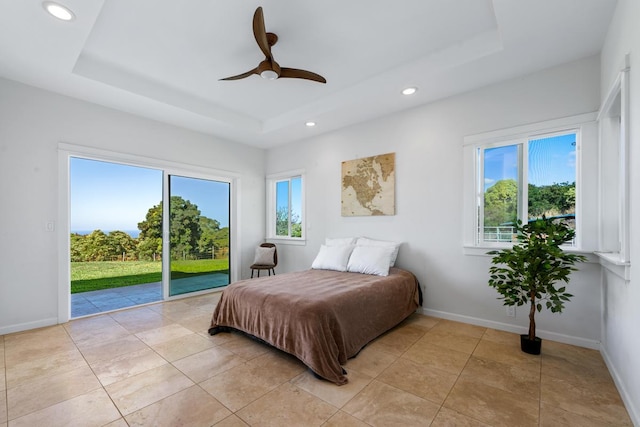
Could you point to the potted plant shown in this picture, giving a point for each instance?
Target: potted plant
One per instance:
(528, 272)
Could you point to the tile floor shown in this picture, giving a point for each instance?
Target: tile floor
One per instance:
(156, 365)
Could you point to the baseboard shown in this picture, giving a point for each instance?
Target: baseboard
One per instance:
(29, 325)
(629, 403)
(552, 336)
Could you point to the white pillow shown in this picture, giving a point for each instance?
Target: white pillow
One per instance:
(370, 260)
(264, 256)
(363, 241)
(332, 258)
(340, 241)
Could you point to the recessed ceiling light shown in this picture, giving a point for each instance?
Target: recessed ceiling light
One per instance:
(310, 124)
(58, 10)
(409, 91)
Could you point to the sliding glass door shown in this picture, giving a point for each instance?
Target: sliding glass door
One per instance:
(140, 234)
(198, 234)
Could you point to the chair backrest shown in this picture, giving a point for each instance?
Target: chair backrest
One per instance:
(275, 251)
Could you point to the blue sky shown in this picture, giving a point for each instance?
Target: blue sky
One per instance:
(282, 195)
(111, 196)
(551, 160)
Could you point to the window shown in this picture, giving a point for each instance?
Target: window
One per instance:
(614, 177)
(526, 180)
(285, 203)
(529, 172)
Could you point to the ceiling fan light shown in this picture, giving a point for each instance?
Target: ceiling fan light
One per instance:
(269, 75)
(58, 10)
(409, 90)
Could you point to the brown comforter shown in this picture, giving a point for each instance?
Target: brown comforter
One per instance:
(322, 317)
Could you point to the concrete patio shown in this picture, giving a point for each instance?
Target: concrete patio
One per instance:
(93, 302)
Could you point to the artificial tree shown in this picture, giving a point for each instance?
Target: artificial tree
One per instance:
(528, 272)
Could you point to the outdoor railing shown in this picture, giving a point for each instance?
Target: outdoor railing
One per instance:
(499, 234)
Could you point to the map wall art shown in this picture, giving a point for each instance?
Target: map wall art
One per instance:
(368, 186)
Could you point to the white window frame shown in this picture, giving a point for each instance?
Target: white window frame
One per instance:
(66, 151)
(583, 125)
(614, 121)
(271, 182)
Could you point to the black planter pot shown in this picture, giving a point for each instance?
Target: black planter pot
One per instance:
(530, 346)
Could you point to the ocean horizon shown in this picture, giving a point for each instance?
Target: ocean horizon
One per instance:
(133, 233)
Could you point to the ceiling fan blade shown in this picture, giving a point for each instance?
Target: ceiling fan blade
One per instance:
(260, 33)
(301, 74)
(243, 75)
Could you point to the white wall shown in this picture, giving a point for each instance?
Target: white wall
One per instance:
(621, 300)
(32, 123)
(429, 169)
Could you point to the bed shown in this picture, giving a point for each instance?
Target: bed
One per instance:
(322, 317)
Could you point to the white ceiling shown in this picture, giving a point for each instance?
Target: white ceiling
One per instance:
(163, 59)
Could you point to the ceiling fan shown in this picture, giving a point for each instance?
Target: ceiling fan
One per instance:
(269, 69)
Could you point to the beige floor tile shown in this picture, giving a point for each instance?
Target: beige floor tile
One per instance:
(492, 405)
(441, 358)
(120, 422)
(40, 393)
(1, 351)
(174, 310)
(140, 319)
(199, 323)
(601, 402)
(287, 405)
(342, 419)
(277, 366)
(3, 379)
(580, 366)
(449, 418)
(243, 384)
(501, 337)
(3, 406)
(460, 328)
(451, 340)
(246, 348)
(91, 337)
(141, 390)
(382, 405)
(232, 421)
(424, 381)
(90, 409)
(331, 393)
(55, 363)
(89, 324)
(552, 416)
(502, 376)
(36, 344)
(398, 340)
(190, 407)
(421, 321)
(163, 334)
(370, 361)
(126, 365)
(182, 347)
(507, 354)
(239, 386)
(109, 350)
(208, 363)
(208, 301)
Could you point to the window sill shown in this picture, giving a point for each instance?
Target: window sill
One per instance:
(482, 251)
(287, 241)
(615, 264)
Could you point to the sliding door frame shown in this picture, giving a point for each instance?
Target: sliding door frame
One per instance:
(66, 151)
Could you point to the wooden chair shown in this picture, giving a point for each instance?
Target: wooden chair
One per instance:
(262, 265)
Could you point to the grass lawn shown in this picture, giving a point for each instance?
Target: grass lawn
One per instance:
(92, 276)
